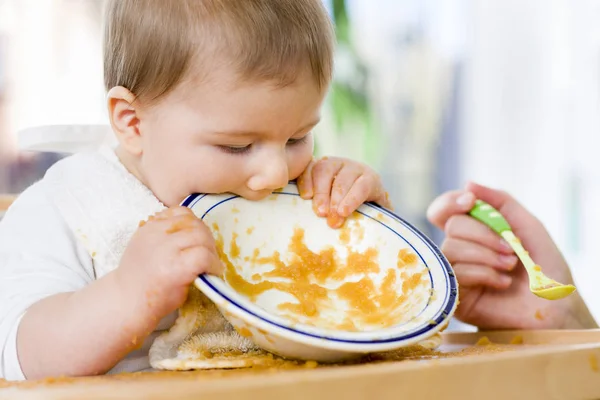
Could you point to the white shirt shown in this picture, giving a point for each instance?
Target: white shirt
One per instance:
(40, 257)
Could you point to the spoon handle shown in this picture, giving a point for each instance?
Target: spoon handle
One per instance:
(487, 214)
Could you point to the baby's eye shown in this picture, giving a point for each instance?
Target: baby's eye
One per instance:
(301, 140)
(236, 149)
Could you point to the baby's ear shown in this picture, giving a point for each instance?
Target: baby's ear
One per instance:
(124, 119)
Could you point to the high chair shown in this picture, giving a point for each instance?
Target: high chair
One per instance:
(66, 139)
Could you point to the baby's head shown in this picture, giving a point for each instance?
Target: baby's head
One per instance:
(216, 96)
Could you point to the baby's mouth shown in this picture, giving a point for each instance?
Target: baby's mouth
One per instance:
(256, 195)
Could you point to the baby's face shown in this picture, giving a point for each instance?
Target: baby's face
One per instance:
(218, 136)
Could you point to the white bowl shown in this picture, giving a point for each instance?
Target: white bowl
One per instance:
(269, 225)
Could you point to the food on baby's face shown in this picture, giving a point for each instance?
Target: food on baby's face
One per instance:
(316, 279)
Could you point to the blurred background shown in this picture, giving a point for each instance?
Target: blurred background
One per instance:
(432, 93)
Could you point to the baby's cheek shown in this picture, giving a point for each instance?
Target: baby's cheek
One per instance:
(218, 173)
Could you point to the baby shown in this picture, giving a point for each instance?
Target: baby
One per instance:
(204, 96)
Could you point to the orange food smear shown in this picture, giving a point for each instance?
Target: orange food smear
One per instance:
(250, 230)
(245, 332)
(345, 235)
(412, 282)
(538, 315)
(594, 363)
(517, 340)
(185, 223)
(334, 219)
(359, 295)
(483, 341)
(235, 249)
(305, 274)
(405, 257)
(347, 325)
(537, 268)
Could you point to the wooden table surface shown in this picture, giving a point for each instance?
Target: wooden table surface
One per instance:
(544, 365)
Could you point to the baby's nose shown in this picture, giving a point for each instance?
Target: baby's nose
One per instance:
(273, 175)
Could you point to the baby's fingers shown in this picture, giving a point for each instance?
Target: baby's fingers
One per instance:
(187, 233)
(305, 182)
(323, 174)
(357, 195)
(342, 207)
(344, 193)
(473, 275)
(200, 260)
(459, 251)
(166, 214)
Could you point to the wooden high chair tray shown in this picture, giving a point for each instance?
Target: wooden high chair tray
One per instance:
(546, 365)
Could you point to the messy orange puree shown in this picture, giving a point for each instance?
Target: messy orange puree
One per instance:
(371, 305)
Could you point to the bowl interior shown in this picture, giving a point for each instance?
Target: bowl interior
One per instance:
(374, 275)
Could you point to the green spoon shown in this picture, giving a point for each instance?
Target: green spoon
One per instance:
(539, 284)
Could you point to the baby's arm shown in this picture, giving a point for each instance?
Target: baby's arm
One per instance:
(85, 332)
(56, 319)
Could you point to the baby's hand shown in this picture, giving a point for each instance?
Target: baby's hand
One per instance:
(339, 186)
(165, 256)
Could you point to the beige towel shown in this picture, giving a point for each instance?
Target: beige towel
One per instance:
(202, 339)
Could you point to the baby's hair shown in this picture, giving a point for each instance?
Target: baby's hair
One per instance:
(150, 45)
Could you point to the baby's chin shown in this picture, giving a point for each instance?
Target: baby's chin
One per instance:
(255, 196)
(251, 195)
